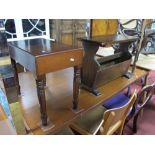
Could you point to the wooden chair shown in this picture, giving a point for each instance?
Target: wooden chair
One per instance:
(144, 96)
(102, 121)
(131, 27)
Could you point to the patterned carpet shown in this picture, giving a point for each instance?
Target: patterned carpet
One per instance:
(146, 122)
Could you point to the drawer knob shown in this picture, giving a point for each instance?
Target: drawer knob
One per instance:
(72, 59)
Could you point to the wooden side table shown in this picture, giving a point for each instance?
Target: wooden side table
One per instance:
(41, 56)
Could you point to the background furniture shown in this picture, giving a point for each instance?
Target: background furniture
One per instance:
(66, 31)
(130, 27)
(41, 56)
(100, 27)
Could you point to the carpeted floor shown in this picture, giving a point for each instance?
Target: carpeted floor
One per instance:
(146, 122)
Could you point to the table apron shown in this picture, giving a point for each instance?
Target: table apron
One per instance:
(50, 63)
(23, 58)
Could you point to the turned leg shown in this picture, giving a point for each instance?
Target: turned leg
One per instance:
(76, 87)
(41, 96)
(16, 75)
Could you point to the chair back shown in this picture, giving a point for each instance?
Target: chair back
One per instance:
(114, 119)
(128, 23)
(130, 27)
(142, 99)
(144, 96)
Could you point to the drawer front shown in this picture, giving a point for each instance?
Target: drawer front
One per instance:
(58, 61)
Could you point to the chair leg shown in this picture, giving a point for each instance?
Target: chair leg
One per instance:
(135, 123)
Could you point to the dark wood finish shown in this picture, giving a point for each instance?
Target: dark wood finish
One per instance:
(67, 31)
(76, 86)
(40, 82)
(96, 72)
(41, 56)
(59, 98)
(110, 39)
(143, 98)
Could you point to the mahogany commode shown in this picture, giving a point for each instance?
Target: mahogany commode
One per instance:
(41, 56)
